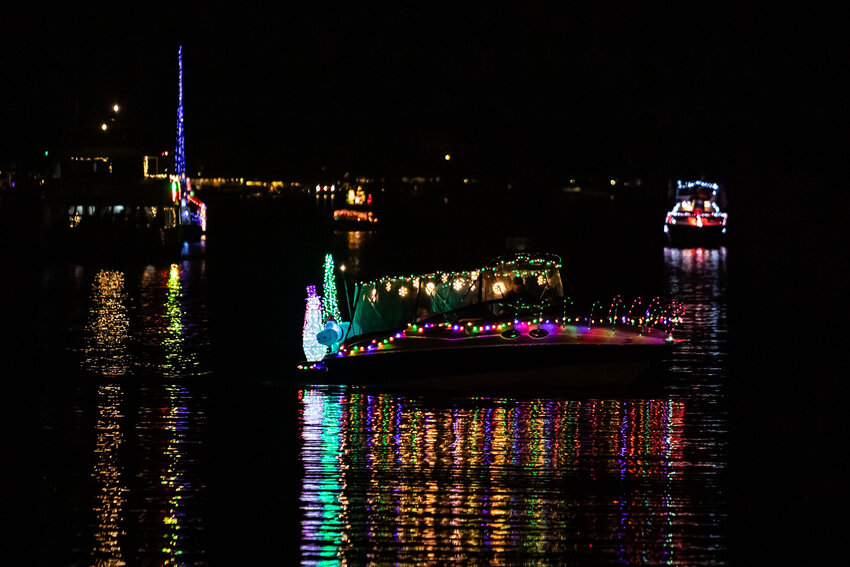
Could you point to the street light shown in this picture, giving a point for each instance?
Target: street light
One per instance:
(115, 108)
(104, 127)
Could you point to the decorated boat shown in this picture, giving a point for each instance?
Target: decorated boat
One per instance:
(507, 323)
(696, 220)
(357, 212)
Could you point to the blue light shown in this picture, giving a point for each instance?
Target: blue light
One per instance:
(180, 155)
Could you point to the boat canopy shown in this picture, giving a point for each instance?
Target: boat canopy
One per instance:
(392, 302)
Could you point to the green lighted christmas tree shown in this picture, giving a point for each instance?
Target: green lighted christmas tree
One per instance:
(330, 306)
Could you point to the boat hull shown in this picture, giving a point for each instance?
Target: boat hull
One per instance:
(686, 236)
(528, 366)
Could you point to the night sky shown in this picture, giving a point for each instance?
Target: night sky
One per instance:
(284, 92)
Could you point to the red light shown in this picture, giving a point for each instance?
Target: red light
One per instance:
(369, 199)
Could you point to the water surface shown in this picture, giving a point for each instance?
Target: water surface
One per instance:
(158, 423)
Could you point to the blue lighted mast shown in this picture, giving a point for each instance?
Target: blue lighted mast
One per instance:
(180, 153)
(192, 210)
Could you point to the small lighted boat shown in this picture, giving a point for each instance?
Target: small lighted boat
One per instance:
(696, 219)
(480, 329)
(357, 213)
(354, 217)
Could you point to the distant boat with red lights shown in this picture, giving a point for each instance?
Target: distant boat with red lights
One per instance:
(506, 324)
(355, 217)
(696, 220)
(357, 213)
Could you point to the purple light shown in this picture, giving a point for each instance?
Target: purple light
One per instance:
(398, 335)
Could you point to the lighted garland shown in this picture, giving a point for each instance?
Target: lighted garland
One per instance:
(691, 184)
(653, 312)
(658, 316)
(616, 303)
(442, 285)
(593, 307)
(540, 263)
(635, 303)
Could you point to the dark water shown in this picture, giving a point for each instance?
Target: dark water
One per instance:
(153, 419)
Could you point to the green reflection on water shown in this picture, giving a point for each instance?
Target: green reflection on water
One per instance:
(390, 475)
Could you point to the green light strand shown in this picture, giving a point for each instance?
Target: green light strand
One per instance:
(330, 305)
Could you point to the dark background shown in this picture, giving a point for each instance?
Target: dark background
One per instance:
(281, 93)
(748, 96)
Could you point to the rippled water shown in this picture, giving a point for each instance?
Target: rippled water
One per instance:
(149, 450)
(122, 449)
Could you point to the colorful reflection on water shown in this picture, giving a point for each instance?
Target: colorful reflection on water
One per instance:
(389, 479)
(143, 456)
(167, 437)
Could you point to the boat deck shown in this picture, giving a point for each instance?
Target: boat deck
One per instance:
(459, 357)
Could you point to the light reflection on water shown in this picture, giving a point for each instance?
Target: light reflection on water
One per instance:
(173, 484)
(390, 479)
(105, 352)
(144, 448)
(110, 501)
(153, 322)
(353, 246)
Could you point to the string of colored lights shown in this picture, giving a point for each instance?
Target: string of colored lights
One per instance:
(657, 316)
(539, 262)
(691, 184)
(615, 304)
